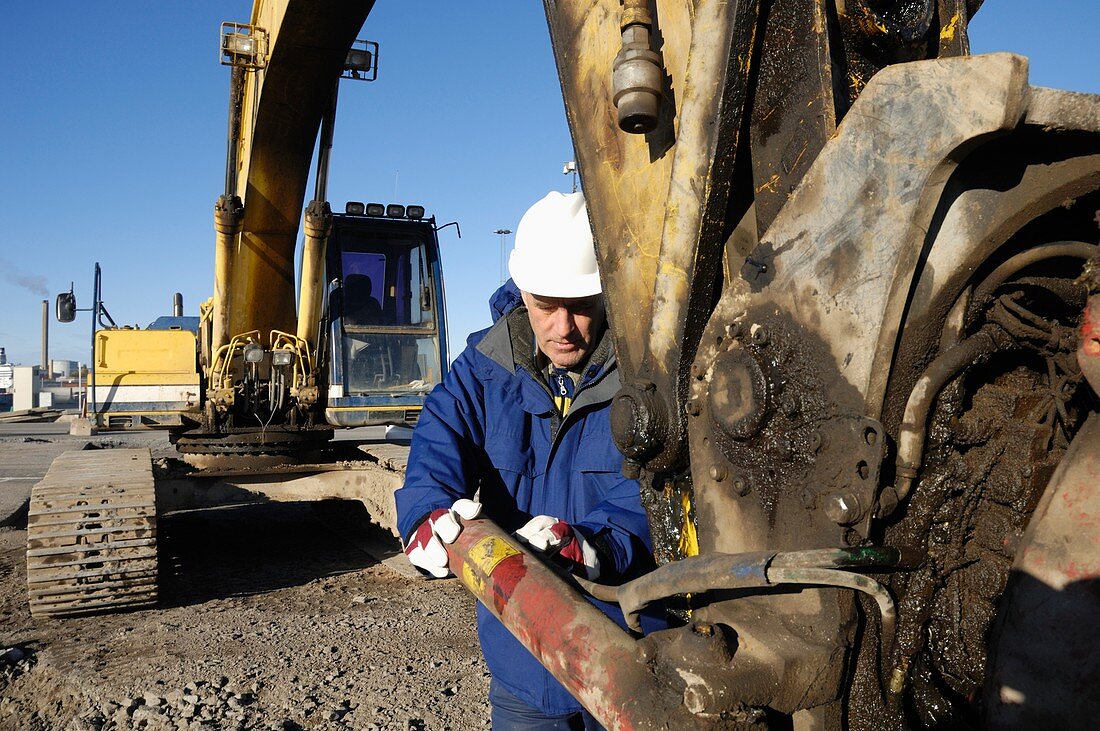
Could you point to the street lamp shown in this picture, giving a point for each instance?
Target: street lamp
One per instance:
(570, 167)
(503, 232)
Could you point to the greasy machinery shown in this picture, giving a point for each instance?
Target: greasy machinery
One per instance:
(860, 395)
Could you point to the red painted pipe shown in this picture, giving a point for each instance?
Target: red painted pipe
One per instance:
(604, 668)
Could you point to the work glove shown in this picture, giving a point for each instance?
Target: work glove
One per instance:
(557, 539)
(425, 547)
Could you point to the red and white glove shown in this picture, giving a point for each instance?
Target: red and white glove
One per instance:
(425, 547)
(554, 537)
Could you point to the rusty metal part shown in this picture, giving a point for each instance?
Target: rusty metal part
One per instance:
(604, 668)
(91, 535)
(1045, 651)
(1088, 353)
(307, 396)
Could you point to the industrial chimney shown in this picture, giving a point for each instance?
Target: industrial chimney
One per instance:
(46, 338)
(177, 305)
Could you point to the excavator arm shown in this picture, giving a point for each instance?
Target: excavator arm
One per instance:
(839, 259)
(281, 111)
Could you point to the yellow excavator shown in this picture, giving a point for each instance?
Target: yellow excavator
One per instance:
(852, 278)
(368, 340)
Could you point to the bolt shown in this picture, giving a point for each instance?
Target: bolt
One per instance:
(870, 436)
(816, 441)
(694, 699)
(718, 472)
(692, 407)
(843, 508)
(783, 448)
(695, 372)
(759, 334)
(741, 487)
(703, 628)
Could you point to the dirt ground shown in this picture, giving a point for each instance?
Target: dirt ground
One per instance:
(270, 618)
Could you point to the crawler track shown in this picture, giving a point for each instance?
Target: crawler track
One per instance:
(91, 534)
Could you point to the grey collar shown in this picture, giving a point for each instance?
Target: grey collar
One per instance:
(511, 344)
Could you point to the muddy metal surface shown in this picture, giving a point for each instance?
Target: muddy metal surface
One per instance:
(274, 616)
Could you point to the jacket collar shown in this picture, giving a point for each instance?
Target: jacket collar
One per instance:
(510, 344)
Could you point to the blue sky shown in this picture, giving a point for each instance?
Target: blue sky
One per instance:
(113, 147)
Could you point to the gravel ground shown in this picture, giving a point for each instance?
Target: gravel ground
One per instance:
(270, 619)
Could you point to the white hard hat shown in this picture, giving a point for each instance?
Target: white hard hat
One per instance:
(554, 255)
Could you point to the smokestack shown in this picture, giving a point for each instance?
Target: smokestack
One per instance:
(46, 337)
(177, 305)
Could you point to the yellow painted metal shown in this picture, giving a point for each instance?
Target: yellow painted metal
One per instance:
(317, 227)
(689, 539)
(626, 177)
(145, 358)
(283, 106)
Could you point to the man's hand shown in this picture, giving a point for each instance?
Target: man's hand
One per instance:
(554, 537)
(425, 548)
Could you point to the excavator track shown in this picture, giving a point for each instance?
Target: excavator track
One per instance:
(91, 535)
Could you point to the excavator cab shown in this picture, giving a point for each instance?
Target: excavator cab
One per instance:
(386, 335)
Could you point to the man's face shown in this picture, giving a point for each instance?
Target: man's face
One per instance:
(566, 329)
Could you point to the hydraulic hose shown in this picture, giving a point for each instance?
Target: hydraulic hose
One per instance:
(914, 425)
(858, 582)
(700, 574)
(984, 291)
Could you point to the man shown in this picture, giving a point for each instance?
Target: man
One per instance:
(522, 420)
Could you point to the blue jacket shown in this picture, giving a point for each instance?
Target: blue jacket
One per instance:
(492, 425)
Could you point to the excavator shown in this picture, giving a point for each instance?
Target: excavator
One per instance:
(370, 328)
(853, 282)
